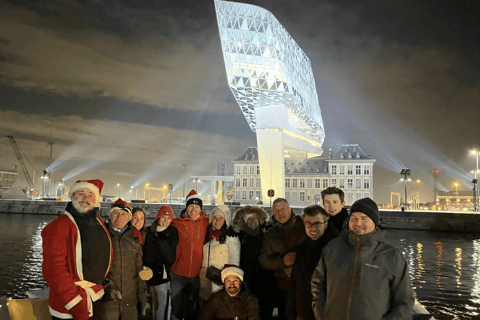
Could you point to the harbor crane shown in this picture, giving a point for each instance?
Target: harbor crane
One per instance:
(22, 164)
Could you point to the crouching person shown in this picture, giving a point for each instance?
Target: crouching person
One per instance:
(125, 287)
(234, 301)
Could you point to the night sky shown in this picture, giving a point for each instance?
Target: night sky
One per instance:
(131, 90)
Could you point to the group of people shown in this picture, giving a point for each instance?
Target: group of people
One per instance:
(325, 264)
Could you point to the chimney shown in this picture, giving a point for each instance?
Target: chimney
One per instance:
(330, 153)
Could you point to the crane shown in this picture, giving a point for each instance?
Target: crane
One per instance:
(22, 164)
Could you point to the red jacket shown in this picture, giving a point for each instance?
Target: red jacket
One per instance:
(191, 238)
(62, 270)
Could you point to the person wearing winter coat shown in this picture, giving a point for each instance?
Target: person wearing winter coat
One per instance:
(77, 254)
(334, 203)
(159, 253)
(319, 233)
(249, 223)
(221, 247)
(234, 302)
(125, 288)
(278, 253)
(192, 228)
(359, 275)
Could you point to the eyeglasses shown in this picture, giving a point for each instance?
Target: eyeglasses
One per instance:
(315, 225)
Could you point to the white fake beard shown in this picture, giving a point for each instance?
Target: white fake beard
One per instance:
(76, 205)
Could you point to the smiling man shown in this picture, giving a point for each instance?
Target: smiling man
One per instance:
(359, 275)
(77, 253)
(234, 302)
(319, 232)
(278, 253)
(334, 203)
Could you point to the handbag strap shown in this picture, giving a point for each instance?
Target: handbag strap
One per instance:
(209, 243)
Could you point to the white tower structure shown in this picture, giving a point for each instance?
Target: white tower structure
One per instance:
(272, 81)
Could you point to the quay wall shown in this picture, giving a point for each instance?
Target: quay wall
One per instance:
(389, 219)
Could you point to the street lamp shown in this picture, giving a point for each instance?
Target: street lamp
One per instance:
(145, 191)
(456, 194)
(405, 172)
(118, 186)
(475, 192)
(196, 188)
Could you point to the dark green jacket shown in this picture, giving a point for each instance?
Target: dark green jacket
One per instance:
(222, 306)
(361, 278)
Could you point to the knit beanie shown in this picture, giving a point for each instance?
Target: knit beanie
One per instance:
(122, 205)
(366, 206)
(94, 185)
(230, 269)
(221, 210)
(193, 198)
(165, 211)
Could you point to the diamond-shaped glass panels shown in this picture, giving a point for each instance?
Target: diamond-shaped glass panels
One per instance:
(265, 66)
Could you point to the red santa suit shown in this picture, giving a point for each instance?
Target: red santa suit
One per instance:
(70, 295)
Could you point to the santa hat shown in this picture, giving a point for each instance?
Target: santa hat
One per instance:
(165, 211)
(193, 198)
(94, 185)
(221, 210)
(231, 269)
(121, 205)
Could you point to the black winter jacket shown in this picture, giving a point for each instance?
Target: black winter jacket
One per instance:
(362, 278)
(159, 251)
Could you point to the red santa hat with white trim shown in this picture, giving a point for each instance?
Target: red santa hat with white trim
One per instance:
(231, 269)
(94, 185)
(193, 198)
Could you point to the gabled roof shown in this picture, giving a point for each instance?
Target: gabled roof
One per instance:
(351, 152)
(250, 155)
(306, 166)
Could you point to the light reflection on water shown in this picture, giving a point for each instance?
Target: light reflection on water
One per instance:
(444, 267)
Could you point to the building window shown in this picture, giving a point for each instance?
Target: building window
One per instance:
(238, 170)
(252, 169)
(358, 196)
(294, 183)
(309, 183)
(258, 195)
(366, 183)
(244, 195)
(342, 184)
(237, 182)
(324, 183)
(237, 195)
(287, 196)
(358, 169)
(252, 182)
(366, 194)
(358, 183)
(245, 170)
(366, 169)
(258, 169)
(334, 169)
(334, 182)
(350, 197)
(342, 169)
(295, 197)
(350, 169)
(287, 183)
(258, 185)
(244, 182)
(349, 183)
(302, 183)
(250, 195)
(317, 183)
(302, 196)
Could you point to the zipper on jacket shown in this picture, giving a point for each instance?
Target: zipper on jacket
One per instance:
(357, 252)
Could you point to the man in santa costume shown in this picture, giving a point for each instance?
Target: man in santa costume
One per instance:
(192, 228)
(77, 254)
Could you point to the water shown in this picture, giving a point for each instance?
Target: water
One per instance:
(444, 267)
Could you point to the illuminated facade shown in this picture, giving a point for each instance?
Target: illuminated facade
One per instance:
(272, 81)
(350, 169)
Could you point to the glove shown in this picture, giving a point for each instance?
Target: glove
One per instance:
(115, 294)
(145, 306)
(146, 273)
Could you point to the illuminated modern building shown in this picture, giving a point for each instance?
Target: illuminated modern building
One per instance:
(272, 80)
(350, 169)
